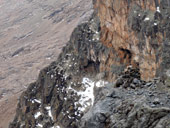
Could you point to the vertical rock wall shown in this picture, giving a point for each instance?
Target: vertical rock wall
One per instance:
(137, 31)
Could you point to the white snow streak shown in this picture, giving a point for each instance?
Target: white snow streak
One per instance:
(101, 83)
(49, 111)
(87, 96)
(158, 9)
(56, 127)
(146, 19)
(37, 115)
(35, 100)
(40, 125)
(38, 101)
(155, 24)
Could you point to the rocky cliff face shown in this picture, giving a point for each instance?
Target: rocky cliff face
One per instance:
(114, 72)
(137, 31)
(32, 35)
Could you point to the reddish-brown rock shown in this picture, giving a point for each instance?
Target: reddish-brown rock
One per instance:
(117, 32)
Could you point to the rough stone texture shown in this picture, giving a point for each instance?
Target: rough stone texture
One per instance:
(126, 40)
(32, 35)
(134, 104)
(53, 85)
(138, 32)
(121, 108)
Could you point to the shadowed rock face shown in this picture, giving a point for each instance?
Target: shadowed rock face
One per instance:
(63, 91)
(32, 35)
(128, 109)
(131, 103)
(126, 40)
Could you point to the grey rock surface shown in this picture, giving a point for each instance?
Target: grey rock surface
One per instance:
(32, 35)
(145, 107)
(74, 91)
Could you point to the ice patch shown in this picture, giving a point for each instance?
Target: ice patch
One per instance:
(68, 54)
(158, 9)
(146, 19)
(37, 115)
(38, 101)
(32, 101)
(65, 76)
(48, 58)
(69, 117)
(39, 125)
(76, 113)
(56, 127)
(97, 32)
(155, 24)
(87, 96)
(52, 76)
(35, 100)
(101, 83)
(49, 111)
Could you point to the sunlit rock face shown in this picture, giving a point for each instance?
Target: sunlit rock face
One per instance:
(137, 32)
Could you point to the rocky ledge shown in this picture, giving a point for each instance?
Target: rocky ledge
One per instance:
(113, 73)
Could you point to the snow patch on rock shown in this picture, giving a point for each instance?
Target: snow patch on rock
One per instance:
(87, 95)
(158, 9)
(56, 127)
(39, 125)
(37, 115)
(38, 101)
(49, 111)
(146, 19)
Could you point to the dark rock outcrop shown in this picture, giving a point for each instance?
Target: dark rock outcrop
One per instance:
(139, 105)
(63, 93)
(104, 76)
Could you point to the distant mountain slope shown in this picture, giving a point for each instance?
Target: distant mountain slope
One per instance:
(32, 33)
